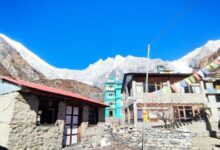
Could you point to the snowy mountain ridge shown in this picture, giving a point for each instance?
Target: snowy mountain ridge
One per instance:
(99, 72)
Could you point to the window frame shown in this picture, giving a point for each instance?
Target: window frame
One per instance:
(217, 98)
(45, 107)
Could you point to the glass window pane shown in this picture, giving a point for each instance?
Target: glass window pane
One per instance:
(139, 114)
(74, 130)
(69, 110)
(75, 119)
(68, 120)
(67, 130)
(74, 139)
(76, 110)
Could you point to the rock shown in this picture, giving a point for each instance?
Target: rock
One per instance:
(121, 131)
(104, 142)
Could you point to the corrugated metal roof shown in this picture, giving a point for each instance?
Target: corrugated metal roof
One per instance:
(52, 90)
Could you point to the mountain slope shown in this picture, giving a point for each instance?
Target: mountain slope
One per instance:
(17, 62)
(97, 73)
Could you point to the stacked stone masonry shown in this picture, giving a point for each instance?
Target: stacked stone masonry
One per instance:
(25, 134)
(131, 138)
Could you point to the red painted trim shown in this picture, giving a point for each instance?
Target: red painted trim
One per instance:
(52, 90)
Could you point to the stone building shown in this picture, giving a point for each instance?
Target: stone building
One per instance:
(183, 106)
(34, 116)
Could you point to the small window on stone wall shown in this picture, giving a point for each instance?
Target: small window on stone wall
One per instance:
(47, 111)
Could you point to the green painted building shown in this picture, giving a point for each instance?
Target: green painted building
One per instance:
(114, 99)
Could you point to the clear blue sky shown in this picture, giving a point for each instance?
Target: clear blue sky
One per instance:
(75, 33)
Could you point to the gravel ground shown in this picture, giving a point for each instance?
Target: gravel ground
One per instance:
(206, 143)
(115, 146)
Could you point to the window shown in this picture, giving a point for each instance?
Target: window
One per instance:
(188, 89)
(47, 111)
(93, 116)
(111, 103)
(208, 85)
(188, 111)
(158, 86)
(217, 97)
(181, 114)
(219, 113)
(110, 113)
(216, 85)
(111, 94)
(139, 115)
(110, 86)
(139, 89)
(151, 88)
(196, 88)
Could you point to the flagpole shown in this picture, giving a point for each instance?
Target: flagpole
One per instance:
(147, 74)
(145, 93)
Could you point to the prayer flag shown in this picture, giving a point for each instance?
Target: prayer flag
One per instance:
(205, 71)
(192, 79)
(188, 81)
(196, 76)
(201, 74)
(216, 61)
(183, 83)
(214, 66)
(174, 88)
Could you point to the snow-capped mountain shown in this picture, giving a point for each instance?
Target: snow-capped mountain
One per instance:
(192, 58)
(99, 72)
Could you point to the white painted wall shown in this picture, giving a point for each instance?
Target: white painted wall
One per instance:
(7, 103)
(214, 108)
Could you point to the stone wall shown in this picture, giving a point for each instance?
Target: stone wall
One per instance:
(101, 115)
(154, 138)
(25, 134)
(103, 135)
(85, 118)
(7, 103)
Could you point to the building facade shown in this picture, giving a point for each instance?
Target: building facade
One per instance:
(34, 116)
(113, 98)
(212, 90)
(183, 106)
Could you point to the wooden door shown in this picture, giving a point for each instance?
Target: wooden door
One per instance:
(71, 131)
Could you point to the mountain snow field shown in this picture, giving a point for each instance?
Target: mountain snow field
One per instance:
(97, 73)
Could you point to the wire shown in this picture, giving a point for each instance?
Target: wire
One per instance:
(173, 22)
(170, 25)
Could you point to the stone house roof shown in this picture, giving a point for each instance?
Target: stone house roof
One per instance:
(51, 90)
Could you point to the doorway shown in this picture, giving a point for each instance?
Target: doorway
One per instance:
(71, 132)
(110, 113)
